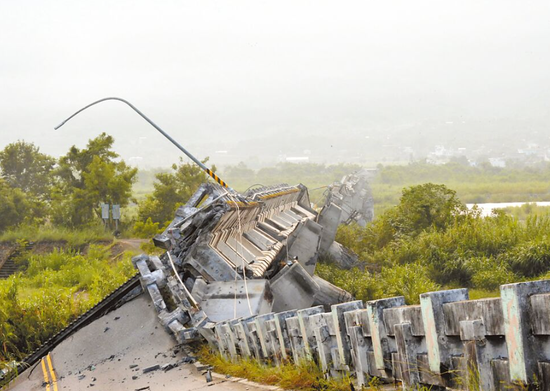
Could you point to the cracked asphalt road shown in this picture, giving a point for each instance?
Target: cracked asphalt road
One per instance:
(111, 354)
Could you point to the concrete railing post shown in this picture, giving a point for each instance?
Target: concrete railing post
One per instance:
(440, 347)
(342, 340)
(523, 349)
(382, 345)
(357, 325)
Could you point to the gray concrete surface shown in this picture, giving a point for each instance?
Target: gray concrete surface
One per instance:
(112, 352)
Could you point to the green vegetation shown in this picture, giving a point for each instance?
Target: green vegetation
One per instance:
(429, 240)
(526, 210)
(305, 376)
(146, 229)
(479, 184)
(171, 190)
(86, 178)
(54, 289)
(71, 237)
(15, 208)
(36, 189)
(402, 280)
(23, 166)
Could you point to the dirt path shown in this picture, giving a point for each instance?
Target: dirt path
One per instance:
(132, 244)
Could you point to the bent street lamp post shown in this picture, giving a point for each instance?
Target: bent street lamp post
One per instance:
(181, 148)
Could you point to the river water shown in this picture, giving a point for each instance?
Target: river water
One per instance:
(487, 208)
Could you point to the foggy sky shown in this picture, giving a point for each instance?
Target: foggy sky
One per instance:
(216, 74)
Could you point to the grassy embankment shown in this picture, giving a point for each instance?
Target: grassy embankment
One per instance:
(53, 289)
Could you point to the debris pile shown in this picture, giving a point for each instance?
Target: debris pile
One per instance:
(232, 256)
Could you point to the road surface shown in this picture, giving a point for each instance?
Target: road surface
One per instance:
(112, 354)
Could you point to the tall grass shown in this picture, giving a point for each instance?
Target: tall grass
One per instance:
(527, 210)
(305, 376)
(55, 289)
(72, 237)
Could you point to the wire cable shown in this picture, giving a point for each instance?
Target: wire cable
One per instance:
(239, 241)
(193, 301)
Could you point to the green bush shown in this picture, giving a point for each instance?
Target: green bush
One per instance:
(401, 280)
(488, 274)
(467, 250)
(407, 280)
(529, 259)
(360, 283)
(147, 229)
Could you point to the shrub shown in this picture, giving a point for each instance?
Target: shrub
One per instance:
(147, 229)
(360, 283)
(529, 259)
(407, 280)
(488, 273)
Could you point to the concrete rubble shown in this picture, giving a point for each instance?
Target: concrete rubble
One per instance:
(230, 255)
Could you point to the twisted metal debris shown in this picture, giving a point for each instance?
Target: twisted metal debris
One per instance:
(232, 256)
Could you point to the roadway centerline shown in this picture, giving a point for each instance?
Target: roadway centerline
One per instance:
(45, 372)
(52, 372)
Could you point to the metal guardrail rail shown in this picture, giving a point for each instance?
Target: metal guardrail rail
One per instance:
(109, 303)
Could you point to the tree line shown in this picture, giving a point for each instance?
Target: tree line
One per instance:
(38, 189)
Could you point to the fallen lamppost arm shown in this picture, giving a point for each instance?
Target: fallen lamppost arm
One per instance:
(178, 145)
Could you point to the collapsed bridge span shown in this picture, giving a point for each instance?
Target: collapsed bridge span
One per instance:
(231, 255)
(226, 255)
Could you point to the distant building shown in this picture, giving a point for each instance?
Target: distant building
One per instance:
(497, 162)
(297, 159)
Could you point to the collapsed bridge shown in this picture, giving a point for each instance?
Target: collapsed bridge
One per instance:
(237, 271)
(229, 255)
(226, 256)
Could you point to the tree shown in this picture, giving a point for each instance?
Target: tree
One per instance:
(428, 205)
(14, 206)
(239, 172)
(171, 191)
(76, 161)
(421, 207)
(23, 166)
(88, 177)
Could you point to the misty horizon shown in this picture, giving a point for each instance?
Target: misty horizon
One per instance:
(253, 81)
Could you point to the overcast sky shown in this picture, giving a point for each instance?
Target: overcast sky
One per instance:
(216, 73)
